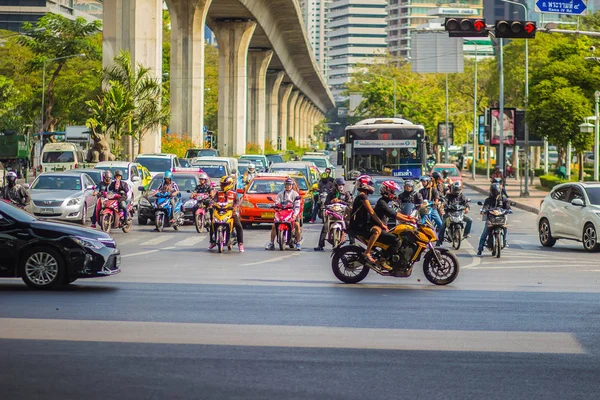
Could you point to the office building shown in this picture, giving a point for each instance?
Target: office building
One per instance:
(356, 35)
(13, 13)
(314, 14)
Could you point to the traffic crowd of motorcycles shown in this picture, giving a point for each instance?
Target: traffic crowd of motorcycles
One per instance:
(405, 226)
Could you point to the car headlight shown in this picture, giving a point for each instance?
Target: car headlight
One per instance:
(74, 202)
(89, 243)
(247, 204)
(144, 202)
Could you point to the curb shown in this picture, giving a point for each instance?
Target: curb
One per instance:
(518, 204)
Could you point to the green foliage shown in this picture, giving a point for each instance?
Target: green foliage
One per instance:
(10, 97)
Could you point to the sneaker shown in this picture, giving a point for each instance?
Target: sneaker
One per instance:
(298, 247)
(384, 264)
(93, 226)
(312, 221)
(319, 248)
(270, 246)
(241, 247)
(466, 236)
(212, 246)
(479, 252)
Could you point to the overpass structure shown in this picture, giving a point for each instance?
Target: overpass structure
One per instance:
(270, 86)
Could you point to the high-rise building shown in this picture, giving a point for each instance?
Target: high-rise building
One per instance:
(404, 16)
(314, 14)
(13, 13)
(356, 35)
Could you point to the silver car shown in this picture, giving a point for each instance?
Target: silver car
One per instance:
(62, 195)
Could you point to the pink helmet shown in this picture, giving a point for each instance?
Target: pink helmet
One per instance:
(364, 183)
(388, 189)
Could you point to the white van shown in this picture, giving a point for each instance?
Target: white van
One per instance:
(232, 163)
(61, 157)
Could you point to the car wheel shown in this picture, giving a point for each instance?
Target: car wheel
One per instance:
(590, 238)
(546, 238)
(42, 268)
(142, 221)
(84, 214)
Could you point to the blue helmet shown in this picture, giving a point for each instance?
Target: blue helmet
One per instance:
(168, 175)
(425, 178)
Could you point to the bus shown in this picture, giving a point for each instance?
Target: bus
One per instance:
(385, 147)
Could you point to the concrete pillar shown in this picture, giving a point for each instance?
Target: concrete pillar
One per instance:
(233, 38)
(272, 126)
(304, 123)
(312, 119)
(188, 18)
(294, 98)
(282, 118)
(258, 61)
(135, 26)
(297, 111)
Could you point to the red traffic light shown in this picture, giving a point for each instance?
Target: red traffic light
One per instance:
(479, 25)
(515, 29)
(530, 27)
(465, 27)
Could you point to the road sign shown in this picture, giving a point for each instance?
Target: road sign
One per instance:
(570, 7)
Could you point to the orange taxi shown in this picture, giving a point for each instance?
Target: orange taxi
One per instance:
(256, 207)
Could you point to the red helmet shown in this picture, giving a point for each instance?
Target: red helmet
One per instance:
(388, 189)
(364, 184)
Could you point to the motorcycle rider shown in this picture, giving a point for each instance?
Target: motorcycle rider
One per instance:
(456, 196)
(494, 200)
(430, 193)
(326, 184)
(439, 184)
(15, 192)
(447, 180)
(410, 195)
(100, 189)
(364, 222)
(121, 188)
(287, 195)
(230, 196)
(383, 210)
(249, 174)
(169, 186)
(337, 195)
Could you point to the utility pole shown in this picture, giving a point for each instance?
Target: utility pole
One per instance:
(447, 141)
(500, 156)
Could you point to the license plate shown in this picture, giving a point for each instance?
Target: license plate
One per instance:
(47, 210)
(267, 215)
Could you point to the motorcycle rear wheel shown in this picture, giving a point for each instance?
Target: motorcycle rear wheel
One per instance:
(456, 238)
(441, 273)
(106, 222)
(281, 240)
(347, 264)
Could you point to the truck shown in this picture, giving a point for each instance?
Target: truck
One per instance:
(15, 152)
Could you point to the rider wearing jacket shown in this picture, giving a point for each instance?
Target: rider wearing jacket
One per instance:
(439, 184)
(494, 200)
(336, 195)
(169, 186)
(383, 210)
(409, 195)
(14, 192)
(229, 195)
(288, 195)
(121, 188)
(430, 193)
(100, 189)
(249, 174)
(326, 184)
(456, 196)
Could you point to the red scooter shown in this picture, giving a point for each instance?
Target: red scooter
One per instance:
(285, 224)
(111, 216)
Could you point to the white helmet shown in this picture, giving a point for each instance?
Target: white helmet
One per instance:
(251, 167)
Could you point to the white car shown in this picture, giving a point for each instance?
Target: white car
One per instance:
(158, 163)
(571, 211)
(131, 175)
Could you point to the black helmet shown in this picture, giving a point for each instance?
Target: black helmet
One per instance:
(107, 175)
(456, 188)
(340, 182)
(495, 189)
(436, 175)
(118, 173)
(445, 173)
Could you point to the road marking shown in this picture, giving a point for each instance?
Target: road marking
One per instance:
(141, 253)
(297, 253)
(559, 263)
(191, 241)
(158, 240)
(490, 266)
(289, 336)
(475, 261)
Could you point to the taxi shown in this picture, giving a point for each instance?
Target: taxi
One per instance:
(256, 208)
(145, 175)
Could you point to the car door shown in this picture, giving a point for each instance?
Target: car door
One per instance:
(134, 177)
(8, 245)
(88, 194)
(558, 211)
(574, 217)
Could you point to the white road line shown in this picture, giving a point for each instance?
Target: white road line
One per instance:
(488, 266)
(158, 240)
(289, 336)
(270, 260)
(191, 241)
(475, 261)
(489, 261)
(141, 253)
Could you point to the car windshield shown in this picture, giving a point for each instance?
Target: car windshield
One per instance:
(242, 168)
(56, 182)
(124, 170)
(212, 170)
(158, 164)
(275, 158)
(266, 186)
(594, 195)
(302, 185)
(256, 160)
(184, 163)
(294, 170)
(319, 162)
(192, 153)
(185, 182)
(49, 157)
(451, 171)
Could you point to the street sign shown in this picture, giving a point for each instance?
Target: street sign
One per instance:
(570, 7)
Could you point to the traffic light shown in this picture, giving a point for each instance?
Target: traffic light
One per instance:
(466, 27)
(515, 29)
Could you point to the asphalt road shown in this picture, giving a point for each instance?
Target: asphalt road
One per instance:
(182, 322)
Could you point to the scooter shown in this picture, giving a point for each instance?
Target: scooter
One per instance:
(285, 225)
(113, 217)
(197, 204)
(497, 222)
(456, 228)
(223, 225)
(335, 218)
(162, 210)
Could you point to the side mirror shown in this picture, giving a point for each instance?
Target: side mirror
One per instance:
(141, 188)
(26, 185)
(89, 187)
(135, 179)
(578, 202)
(240, 191)
(480, 203)
(189, 191)
(270, 198)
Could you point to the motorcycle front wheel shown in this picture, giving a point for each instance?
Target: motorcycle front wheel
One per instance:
(220, 239)
(497, 244)
(456, 238)
(159, 221)
(336, 238)
(106, 222)
(281, 240)
(440, 270)
(199, 222)
(126, 227)
(347, 264)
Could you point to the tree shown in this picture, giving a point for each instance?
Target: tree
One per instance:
(10, 98)
(59, 39)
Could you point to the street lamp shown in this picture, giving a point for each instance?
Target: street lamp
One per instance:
(387, 77)
(526, 125)
(44, 80)
(474, 110)
(23, 33)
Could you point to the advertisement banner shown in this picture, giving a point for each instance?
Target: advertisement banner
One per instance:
(442, 133)
(508, 124)
(385, 144)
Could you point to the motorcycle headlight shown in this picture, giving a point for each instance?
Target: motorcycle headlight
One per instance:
(247, 204)
(74, 202)
(89, 243)
(144, 202)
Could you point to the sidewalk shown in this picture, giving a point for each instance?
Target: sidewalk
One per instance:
(481, 184)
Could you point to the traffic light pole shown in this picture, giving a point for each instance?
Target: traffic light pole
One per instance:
(447, 140)
(500, 155)
(526, 124)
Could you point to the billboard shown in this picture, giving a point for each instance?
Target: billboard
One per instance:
(508, 123)
(520, 131)
(441, 136)
(436, 52)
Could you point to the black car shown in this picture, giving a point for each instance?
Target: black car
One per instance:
(46, 254)
(187, 182)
